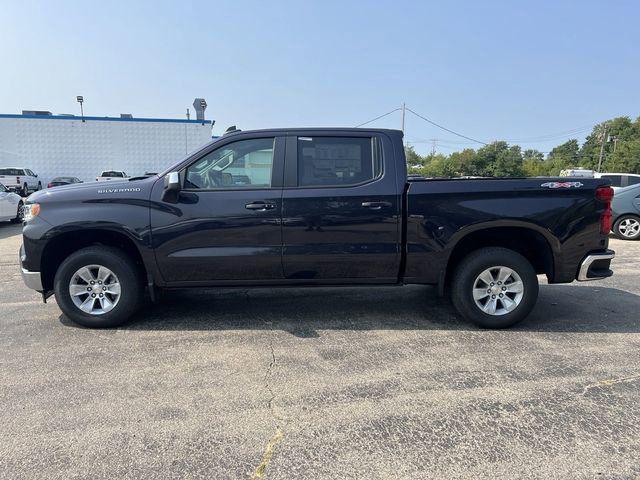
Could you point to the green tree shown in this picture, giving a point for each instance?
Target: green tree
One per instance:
(464, 161)
(533, 163)
(412, 157)
(563, 156)
(508, 163)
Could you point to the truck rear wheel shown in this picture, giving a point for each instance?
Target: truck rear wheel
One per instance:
(494, 287)
(98, 287)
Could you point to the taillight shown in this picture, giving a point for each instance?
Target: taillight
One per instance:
(49, 185)
(605, 194)
(18, 180)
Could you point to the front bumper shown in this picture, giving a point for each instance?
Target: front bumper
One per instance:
(595, 266)
(33, 280)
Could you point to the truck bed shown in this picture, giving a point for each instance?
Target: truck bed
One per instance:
(563, 213)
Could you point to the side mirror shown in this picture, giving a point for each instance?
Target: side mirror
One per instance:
(171, 187)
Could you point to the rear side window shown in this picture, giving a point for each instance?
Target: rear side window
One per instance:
(338, 161)
(616, 180)
(111, 174)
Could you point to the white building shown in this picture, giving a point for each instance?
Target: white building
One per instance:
(67, 145)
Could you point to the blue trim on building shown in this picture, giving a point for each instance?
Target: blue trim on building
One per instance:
(107, 119)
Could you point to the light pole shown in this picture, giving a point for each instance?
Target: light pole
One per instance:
(80, 100)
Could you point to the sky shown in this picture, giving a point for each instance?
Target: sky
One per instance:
(535, 73)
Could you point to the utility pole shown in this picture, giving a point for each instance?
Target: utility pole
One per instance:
(434, 144)
(614, 138)
(602, 140)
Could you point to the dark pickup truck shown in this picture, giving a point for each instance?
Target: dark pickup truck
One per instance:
(309, 207)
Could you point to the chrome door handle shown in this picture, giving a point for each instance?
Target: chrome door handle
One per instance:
(260, 206)
(376, 205)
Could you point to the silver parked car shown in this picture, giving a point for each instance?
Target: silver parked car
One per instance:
(626, 213)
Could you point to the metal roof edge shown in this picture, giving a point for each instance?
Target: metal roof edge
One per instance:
(107, 119)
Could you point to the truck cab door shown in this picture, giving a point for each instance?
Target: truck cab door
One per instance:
(341, 208)
(224, 227)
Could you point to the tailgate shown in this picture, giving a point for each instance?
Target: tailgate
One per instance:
(8, 180)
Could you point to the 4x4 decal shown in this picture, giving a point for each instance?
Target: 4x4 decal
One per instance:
(562, 184)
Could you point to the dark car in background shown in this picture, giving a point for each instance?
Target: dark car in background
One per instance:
(58, 181)
(626, 213)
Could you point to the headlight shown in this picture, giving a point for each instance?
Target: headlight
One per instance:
(30, 211)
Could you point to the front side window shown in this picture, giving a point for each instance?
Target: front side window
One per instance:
(338, 160)
(242, 164)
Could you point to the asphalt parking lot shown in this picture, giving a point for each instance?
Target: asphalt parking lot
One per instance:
(323, 383)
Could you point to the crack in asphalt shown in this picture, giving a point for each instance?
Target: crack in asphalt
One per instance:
(278, 436)
(610, 382)
(279, 420)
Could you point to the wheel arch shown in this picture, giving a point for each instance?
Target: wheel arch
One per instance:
(534, 243)
(59, 247)
(625, 214)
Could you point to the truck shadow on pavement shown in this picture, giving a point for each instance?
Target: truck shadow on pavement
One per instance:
(8, 229)
(306, 312)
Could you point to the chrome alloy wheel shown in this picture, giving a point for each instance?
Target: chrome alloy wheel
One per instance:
(94, 289)
(498, 290)
(629, 228)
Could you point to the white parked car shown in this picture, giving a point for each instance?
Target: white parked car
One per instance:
(20, 180)
(111, 175)
(577, 173)
(10, 205)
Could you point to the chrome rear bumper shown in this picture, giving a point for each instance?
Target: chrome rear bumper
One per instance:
(595, 266)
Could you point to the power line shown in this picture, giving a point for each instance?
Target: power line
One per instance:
(551, 136)
(378, 118)
(445, 128)
(534, 139)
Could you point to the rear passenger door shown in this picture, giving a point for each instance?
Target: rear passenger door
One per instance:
(341, 208)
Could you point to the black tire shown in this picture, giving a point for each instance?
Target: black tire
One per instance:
(468, 271)
(122, 266)
(25, 191)
(19, 214)
(617, 227)
(39, 186)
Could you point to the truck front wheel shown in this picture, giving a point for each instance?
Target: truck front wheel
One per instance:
(98, 287)
(494, 287)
